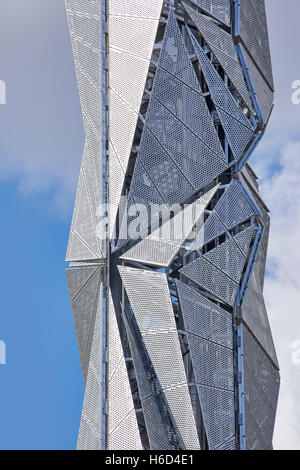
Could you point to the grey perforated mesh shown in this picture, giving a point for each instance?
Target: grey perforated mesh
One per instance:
(261, 393)
(264, 94)
(77, 278)
(205, 318)
(83, 225)
(222, 45)
(90, 432)
(219, 9)
(203, 273)
(236, 126)
(254, 33)
(217, 407)
(156, 430)
(255, 315)
(210, 339)
(228, 258)
(84, 305)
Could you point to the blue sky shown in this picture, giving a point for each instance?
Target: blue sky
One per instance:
(40, 151)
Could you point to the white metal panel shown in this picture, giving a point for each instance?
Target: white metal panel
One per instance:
(132, 29)
(121, 413)
(83, 223)
(148, 294)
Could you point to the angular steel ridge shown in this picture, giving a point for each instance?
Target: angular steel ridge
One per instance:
(169, 236)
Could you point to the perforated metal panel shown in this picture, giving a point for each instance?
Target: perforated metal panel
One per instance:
(255, 315)
(83, 225)
(160, 247)
(261, 394)
(77, 278)
(204, 318)
(159, 436)
(238, 129)
(264, 94)
(222, 45)
(203, 273)
(175, 158)
(149, 297)
(132, 28)
(219, 9)
(84, 300)
(254, 33)
(229, 257)
(91, 427)
(121, 413)
(85, 26)
(219, 417)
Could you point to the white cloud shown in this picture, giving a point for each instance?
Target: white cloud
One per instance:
(281, 191)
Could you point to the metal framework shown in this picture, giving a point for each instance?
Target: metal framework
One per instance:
(169, 236)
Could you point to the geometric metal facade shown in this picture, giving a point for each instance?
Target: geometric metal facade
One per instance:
(169, 235)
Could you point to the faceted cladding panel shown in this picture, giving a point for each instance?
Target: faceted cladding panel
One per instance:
(174, 98)
(210, 336)
(85, 26)
(132, 29)
(149, 297)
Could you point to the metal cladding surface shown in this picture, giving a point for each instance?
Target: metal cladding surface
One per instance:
(169, 236)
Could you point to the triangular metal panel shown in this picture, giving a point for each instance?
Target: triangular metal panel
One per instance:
(232, 209)
(156, 431)
(218, 411)
(207, 276)
(78, 277)
(131, 41)
(148, 294)
(219, 9)
(210, 338)
(204, 318)
(78, 250)
(264, 94)
(235, 207)
(161, 246)
(237, 127)
(195, 162)
(228, 257)
(224, 49)
(254, 34)
(244, 239)
(254, 313)
(83, 223)
(84, 309)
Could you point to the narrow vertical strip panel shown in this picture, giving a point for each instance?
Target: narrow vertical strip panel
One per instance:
(91, 426)
(121, 412)
(83, 223)
(84, 306)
